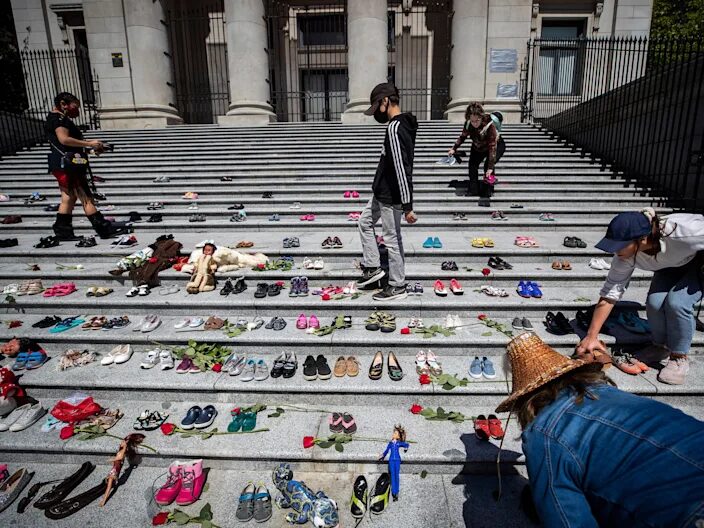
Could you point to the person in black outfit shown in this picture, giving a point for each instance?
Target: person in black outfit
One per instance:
(487, 146)
(66, 142)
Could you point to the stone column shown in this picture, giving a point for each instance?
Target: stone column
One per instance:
(245, 33)
(134, 90)
(468, 58)
(367, 58)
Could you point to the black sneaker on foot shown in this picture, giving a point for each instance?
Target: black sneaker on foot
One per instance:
(370, 275)
(390, 293)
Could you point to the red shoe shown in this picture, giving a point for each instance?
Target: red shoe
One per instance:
(355, 194)
(624, 364)
(456, 287)
(495, 429)
(439, 288)
(481, 427)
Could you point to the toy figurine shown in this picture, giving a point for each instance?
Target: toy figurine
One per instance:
(398, 440)
(203, 278)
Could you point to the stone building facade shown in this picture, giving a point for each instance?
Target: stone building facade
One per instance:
(446, 53)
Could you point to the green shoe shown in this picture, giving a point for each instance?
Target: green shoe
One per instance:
(380, 499)
(249, 422)
(236, 423)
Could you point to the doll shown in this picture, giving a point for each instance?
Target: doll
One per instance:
(398, 440)
(203, 278)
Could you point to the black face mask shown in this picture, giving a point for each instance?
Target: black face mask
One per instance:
(381, 117)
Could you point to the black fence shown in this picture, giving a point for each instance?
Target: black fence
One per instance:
(636, 104)
(199, 58)
(45, 73)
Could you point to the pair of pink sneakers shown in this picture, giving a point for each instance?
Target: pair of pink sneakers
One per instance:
(351, 194)
(307, 217)
(302, 323)
(184, 485)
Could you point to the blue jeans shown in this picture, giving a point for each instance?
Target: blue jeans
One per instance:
(670, 306)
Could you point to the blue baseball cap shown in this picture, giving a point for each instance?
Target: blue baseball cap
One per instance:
(624, 229)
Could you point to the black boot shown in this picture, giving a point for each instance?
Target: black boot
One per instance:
(63, 227)
(104, 228)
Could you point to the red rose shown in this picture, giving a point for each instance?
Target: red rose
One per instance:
(261, 266)
(66, 432)
(160, 518)
(486, 271)
(481, 317)
(153, 260)
(326, 297)
(167, 428)
(15, 324)
(235, 411)
(308, 441)
(416, 409)
(424, 379)
(405, 330)
(280, 284)
(217, 367)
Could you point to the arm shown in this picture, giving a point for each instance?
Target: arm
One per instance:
(554, 479)
(65, 139)
(591, 343)
(404, 445)
(460, 140)
(386, 451)
(402, 154)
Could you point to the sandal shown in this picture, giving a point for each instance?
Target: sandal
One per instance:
(66, 324)
(421, 365)
(380, 499)
(245, 507)
(360, 498)
(478, 242)
(86, 242)
(47, 242)
(20, 361)
(556, 265)
(488, 242)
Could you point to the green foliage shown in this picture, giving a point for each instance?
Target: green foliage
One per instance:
(677, 19)
(441, 414)
(432, 331)
(203, 355)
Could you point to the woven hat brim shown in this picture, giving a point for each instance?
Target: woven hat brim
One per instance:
(507, 404)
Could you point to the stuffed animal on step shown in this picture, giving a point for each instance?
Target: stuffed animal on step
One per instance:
(203, 278)
(317, 508)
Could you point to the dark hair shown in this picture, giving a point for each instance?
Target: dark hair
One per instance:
(474, 108)
(401, 432)
(579, 380)
(65, 97)
(211, 245)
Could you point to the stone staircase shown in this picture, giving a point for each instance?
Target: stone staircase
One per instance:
(449, 476)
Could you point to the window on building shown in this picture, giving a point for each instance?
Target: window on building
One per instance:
(560, 57)
(324, 94)
(322, 30)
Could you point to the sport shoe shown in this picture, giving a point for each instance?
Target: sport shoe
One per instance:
(323, 368)
(475, 368)
(675, 371)
(370, 275)
(488, 368)
(390, 293)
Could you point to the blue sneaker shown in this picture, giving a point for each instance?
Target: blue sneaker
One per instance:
(436, 243)
(206, 417)
(428, 244)
(488, 368)
(534, 290)
(523, 289)
(192, 415)
(475, 368)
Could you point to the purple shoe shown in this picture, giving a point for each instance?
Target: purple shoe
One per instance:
(295, 287)
(184, 366)
(303, 287)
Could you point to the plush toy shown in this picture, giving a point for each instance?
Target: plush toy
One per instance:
(203, 277)
(10, 392)
(317, 508)
(227, 259)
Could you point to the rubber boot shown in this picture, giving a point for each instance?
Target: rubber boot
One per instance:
(63, 227)
(105, 229)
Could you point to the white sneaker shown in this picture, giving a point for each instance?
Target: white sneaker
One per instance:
(595, 264)
(28, 418)
(151, 359)
(295, 205)
(182, 325)
(134, 290)
(13, 417)
(605, 265)
(308, 263)
(193, 207)
(124, 354)
(675, 371)
(10, 289)
(449, 321)
(195, 323)
(318, 264)
(457, 322)
(143, 290)
(151, 322)
(166, 360)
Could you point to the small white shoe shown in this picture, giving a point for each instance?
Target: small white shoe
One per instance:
(151, 359)
(166, 360)
(28, 418)
(124, 355)
(109, 358)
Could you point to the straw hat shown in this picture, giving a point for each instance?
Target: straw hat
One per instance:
(534, 364)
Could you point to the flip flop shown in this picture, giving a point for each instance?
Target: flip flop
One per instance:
(36, 360)
(66, 324)
(20, 361)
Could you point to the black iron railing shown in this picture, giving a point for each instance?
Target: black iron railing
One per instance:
(45, 73)
(634, 103)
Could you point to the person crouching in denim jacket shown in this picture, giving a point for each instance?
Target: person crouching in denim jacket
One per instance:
(599, 456)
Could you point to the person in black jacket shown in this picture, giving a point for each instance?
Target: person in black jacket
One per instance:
(393, 194)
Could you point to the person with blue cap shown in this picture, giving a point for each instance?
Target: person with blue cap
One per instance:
(672, 247)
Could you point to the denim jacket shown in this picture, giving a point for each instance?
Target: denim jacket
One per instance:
(620, 460)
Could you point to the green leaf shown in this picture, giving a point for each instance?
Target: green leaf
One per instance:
(441, 411)
(453, 381)
(325, 444)
(190, 352)
(206, 487)
(180, 517)
(487, 334)
(85, 436)
(206, 524)
(447, 387)
(427, 412)
(339, 447)
(206, 512)
(423, 474)
(273, 415)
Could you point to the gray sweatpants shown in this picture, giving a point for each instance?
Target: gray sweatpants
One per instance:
(390, 216)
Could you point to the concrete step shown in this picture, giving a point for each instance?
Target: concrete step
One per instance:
(445, 499)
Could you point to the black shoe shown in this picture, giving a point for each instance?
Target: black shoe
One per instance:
(228, 288)
(134, 217)
(63, 227)
(56, 494)
(77, 502)
(557, 324)
(360, 498)
(310, 369)
(504, 265)
(262, 290)
(267, 195)
(380, 497)
(291, 365)
(370, 275)
(155, 218)
(239, 285)
(390, 293)
(584, 319)
(235, 207)
(47, 242)
(495, 262)
(323, 368)
(277, 368)
(86, 242)
(274, 290)
(8, 242)
(47, 322)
